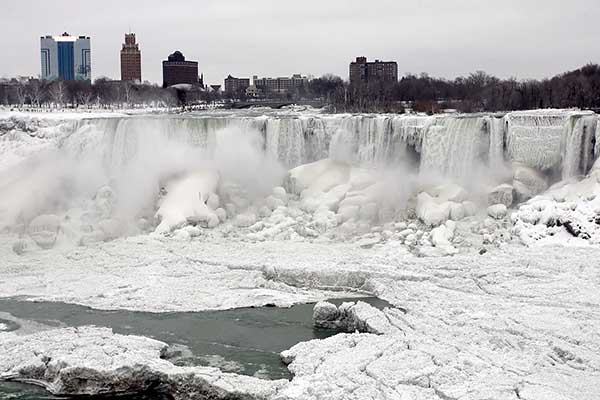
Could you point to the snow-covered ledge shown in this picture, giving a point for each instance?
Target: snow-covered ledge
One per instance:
(92, 360)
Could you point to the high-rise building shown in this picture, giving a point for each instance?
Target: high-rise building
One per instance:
(131, 60)
(236, 85)
(362, 71)
(66, 57)
(177, 70)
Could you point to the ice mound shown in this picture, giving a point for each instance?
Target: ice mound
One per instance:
(191, 198)
(567, 213)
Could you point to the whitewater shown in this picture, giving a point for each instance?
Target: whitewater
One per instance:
(481, 231)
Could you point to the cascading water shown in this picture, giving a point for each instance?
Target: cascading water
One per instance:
(578, 145)
(448, 145)
(496, 155)
(453, 147)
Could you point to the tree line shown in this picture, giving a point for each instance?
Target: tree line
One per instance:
(477, 92)
(422, 93)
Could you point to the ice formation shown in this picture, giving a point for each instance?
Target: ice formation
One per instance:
(336, 175)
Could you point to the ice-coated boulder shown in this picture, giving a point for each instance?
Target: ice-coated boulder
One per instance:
(43, 229)
(457, 211)
(273, 202)
(213, 201)
(221, 213)
(319, 176)
(430, 211)
(497, 211)
(351, 317)
(264, 212)
(442, 236)
(212, 220)
(527, 182)
(325, 315)
(502, 194)
(280, 193)
(245, 220)
(449, 192)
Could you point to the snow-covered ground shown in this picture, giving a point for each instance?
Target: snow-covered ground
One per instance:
(512, 322)
(126, 213)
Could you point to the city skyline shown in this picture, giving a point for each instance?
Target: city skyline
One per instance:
(445, 39)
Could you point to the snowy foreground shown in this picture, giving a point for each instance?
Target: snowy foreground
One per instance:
(513, 323)
(482, 232)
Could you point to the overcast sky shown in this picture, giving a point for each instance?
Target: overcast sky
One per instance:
(447, 38)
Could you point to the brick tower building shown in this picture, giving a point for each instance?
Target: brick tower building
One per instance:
(131, 60)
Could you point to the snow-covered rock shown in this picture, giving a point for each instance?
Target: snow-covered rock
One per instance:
(430, 211)
(527, 182)
(441, 237)
(449, 192)
(502, 194)
(497, 211)
(351, 317)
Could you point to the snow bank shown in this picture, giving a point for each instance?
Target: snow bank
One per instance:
(568, 213)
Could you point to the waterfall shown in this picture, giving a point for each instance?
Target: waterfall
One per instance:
(295, 141)
(451, 145)
(578, 145)
(535, 138)
(496, 152)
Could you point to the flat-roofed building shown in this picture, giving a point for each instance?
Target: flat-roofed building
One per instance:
(280, 85)
(363, 71)
(176, 70)
(235, 85)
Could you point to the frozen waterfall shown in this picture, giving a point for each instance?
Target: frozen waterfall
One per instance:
(556, 141)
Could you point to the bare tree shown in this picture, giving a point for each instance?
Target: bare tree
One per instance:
(57, 92)
(21, 92)
(84, 97)
(127, 92)
(36, 91)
